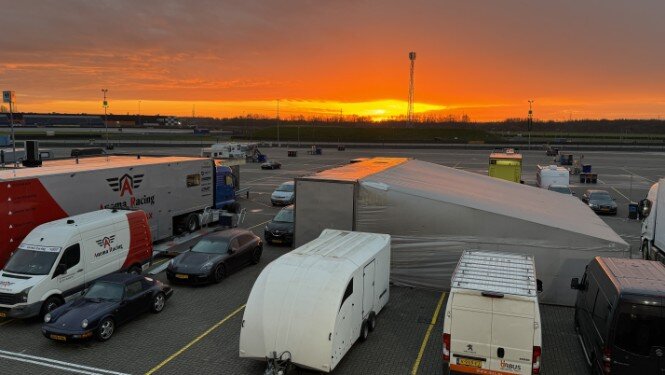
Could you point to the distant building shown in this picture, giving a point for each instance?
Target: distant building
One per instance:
(51, 120)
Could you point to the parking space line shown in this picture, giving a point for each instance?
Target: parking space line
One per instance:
(435, 317)
(259, 224)
(620, 193)
(197, 339)
(55, 364)
(637, 175)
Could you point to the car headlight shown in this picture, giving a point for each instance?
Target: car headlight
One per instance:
(592, 205)
(206, 267)
(171, 263)
(84, 323)
(47, 318)
(23, 296)
(267, 230)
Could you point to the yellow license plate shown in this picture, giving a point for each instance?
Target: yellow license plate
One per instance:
(58, 337)
(181, 276)
(470, 362)
(3, 314)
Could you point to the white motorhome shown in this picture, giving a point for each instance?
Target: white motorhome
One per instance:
(309, 306)
(225, 151)
(57, 260)
(552, 175)
(653, 226)
(492, 323)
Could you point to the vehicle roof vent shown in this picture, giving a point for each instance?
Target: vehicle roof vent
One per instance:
(70, 221)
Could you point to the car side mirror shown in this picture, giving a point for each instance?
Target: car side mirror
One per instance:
(575, 283)
(232, 250)
(61, 269)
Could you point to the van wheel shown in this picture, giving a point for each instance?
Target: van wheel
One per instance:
(256, 255)
(134, 270)
(219, 273)
(371, 321)
(364, 331)
(49, 305)
(192, 223)
(645, 250)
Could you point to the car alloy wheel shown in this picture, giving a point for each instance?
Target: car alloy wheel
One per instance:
(256, 255)
(106, 329)
(158, 303)
(219, 273)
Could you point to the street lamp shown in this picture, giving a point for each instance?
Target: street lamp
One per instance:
(530, 124)
(10, 97)
(106, 124)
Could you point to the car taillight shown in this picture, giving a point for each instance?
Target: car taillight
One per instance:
(446, 347)
(535, 360)
(607, 361)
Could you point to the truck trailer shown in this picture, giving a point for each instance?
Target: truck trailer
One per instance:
(653, 227)
(308, 307)
(172, 191)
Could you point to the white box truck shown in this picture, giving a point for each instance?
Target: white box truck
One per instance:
(552, 175)
(58, 260)
(492, 324)
(308, 307)
(652, 209)
(172, 191)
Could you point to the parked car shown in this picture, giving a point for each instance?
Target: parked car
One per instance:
(563, 189)
(620, 316)
(600, 201)
(492, 321)
(215, 256)
(110, 301)
(271, 165)
(284, 195)
(280, 228)
(89, 151)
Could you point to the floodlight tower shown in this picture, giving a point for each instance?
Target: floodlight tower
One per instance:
(530, 121)
(412, 58)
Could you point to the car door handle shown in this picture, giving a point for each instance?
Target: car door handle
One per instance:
(81, 270)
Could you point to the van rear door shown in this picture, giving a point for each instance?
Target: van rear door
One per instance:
(470, 332)
(512, 335)
(639, 339)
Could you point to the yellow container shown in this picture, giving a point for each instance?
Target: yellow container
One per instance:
(506, 165)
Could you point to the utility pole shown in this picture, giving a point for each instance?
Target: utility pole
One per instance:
(139, 113)
(279, 144)
(409, 113)
(530, 121)
(106, 123)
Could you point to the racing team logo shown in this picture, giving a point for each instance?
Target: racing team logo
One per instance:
(126, 183)
(106, 242)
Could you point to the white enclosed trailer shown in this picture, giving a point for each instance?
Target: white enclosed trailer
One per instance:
(433, 213)
(312, 304)
(653, 226)
(552, 175)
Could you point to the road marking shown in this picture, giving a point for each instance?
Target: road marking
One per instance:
(416, 365)
(7, 322)
(637, 175)
(620, 193)
(55, 364)
(258, 225)
(197, 339)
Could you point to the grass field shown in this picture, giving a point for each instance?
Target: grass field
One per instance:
(378, 134)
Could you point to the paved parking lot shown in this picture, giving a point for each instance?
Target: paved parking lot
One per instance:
(199, 329)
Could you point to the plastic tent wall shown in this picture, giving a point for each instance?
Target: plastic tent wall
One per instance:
(433, 213)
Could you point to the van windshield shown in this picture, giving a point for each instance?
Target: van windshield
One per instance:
(640, 328)
(31, 262)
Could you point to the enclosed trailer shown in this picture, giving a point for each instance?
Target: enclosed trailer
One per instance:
(552, 175)
(433, 213)
(506, 165)
(309, 306)
(171, 190)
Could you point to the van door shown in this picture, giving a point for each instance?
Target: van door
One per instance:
(639, 340)
(368, 289)
(71, 282)
(470, 332)
(512, 335)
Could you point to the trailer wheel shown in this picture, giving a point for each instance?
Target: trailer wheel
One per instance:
(371, 321)
(364, 331)
(192, 222)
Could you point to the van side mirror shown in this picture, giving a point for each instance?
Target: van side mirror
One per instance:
(575, 283)
(644, 207)
(61, 269)
(539, 286)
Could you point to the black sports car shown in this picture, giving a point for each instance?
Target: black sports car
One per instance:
(271, 165)
(215, 256)
(109, 302)
(280, 228)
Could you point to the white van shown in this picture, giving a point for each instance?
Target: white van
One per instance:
(552, 175)
(308, 307)
(492, 319)
(58, 260)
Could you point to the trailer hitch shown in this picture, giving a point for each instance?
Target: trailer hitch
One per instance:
(279, 365)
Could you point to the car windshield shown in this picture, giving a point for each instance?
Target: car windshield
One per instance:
(284, 216)
(104, 291)
(286, 187)
(217, 245)
(601, 197)
(32, 262)
(640, 328)
(560, 189)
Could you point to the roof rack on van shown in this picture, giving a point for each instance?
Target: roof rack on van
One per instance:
(496, 272)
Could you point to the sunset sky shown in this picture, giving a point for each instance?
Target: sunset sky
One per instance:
(485, 58)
